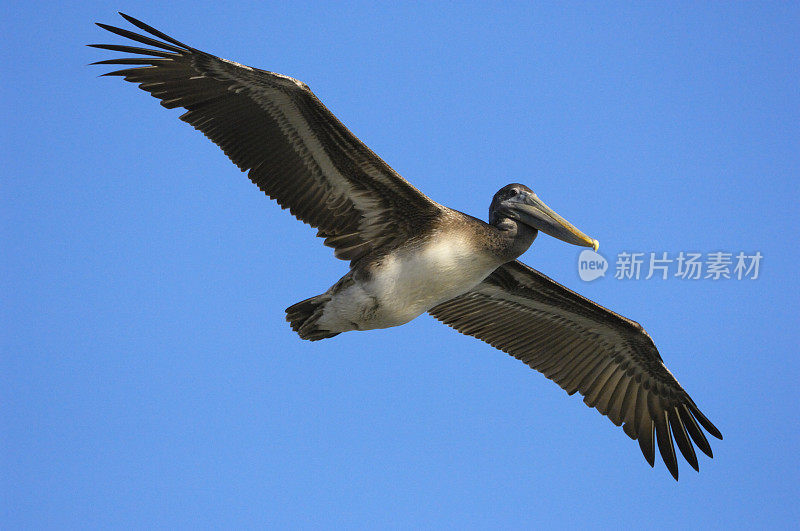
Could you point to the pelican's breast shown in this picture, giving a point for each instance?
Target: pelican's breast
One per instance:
(394, 288)
(415, 278)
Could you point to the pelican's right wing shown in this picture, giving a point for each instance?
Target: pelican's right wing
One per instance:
(584, 348)
(294, 148)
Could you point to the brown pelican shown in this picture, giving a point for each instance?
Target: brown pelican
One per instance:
(410, 255)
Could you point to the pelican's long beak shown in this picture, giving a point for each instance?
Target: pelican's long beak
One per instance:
(534, 213)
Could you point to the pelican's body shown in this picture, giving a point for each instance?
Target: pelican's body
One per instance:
(410, 255)
(386, 289)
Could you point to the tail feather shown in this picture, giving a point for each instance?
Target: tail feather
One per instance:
(304, 315)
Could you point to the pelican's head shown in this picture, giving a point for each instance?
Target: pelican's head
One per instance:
(518, 202)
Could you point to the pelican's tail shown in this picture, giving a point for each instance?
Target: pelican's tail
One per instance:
(304, 315)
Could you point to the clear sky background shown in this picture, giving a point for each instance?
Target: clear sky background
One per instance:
(148, 378)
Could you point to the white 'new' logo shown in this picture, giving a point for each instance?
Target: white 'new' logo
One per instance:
(591, 265)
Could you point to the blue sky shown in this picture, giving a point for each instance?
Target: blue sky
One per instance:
(148, 377)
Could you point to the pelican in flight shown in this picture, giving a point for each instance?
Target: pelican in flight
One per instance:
(410, 255)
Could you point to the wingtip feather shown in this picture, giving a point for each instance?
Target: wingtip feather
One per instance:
(707, 424)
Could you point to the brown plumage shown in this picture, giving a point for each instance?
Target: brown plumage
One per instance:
(298, 153)
(584, 348)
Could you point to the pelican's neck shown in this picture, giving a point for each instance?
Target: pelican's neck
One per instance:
(514, 237)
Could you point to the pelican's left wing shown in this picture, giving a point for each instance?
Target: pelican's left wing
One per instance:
(293, 147)
(584, 348)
